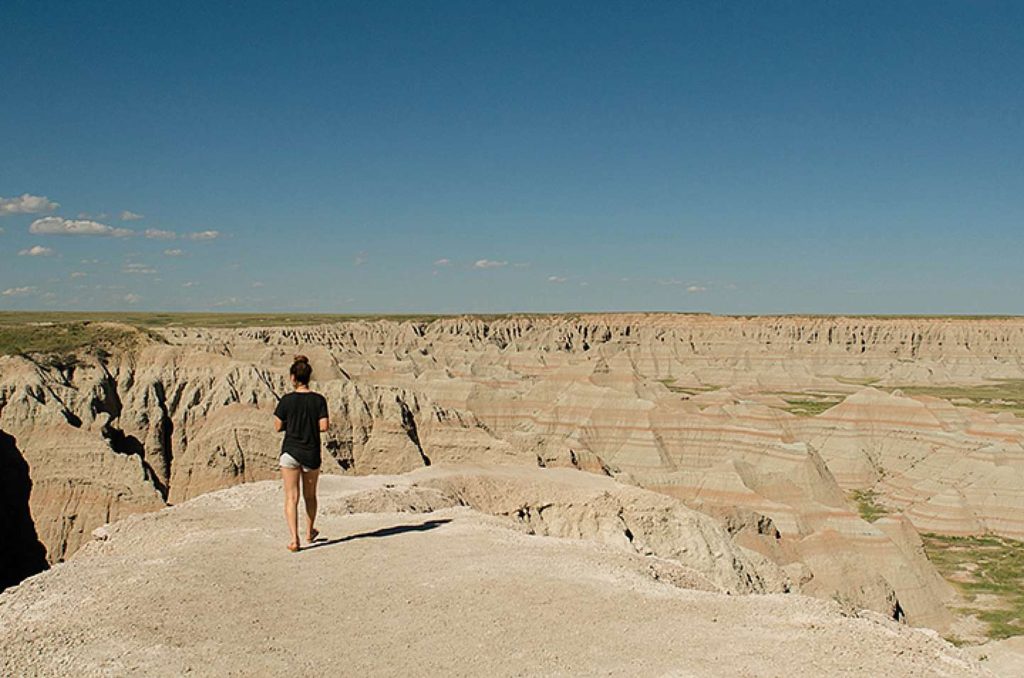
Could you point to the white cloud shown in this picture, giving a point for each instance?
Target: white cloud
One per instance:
(584, 284)
(27, 204)
(443, 262)
(173, 253)
(36, 251)
(204, 235)
(557, 279)
(190, 283)
(128, 215)
(670, 281)
(158, 234)
(18, 291)
(131, 298)
(230, 301)
(1, 229)
(257, 284)
(696, 288)
(489, 263)
(61, 226)
(140, 269)
(77, 274)
(360, 259)
(90, 261)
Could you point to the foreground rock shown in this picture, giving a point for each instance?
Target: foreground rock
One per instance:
(207, 588)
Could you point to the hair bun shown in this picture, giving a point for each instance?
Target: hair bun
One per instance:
(300, 359)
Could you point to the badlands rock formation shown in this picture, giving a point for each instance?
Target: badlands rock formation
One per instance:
(443, 588)
(950, 470)
(692, 407)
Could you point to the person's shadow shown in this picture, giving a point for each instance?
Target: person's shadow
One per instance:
(382, 532)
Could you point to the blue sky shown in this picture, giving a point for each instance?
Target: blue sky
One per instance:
(829, 157)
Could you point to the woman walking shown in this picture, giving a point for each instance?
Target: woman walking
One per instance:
(302, 415)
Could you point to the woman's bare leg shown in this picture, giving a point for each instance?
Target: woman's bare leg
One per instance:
(309, 480)
(291, 503)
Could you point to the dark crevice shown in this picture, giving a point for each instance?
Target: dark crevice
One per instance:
(72, 418)
(341, 453)
(409, 424)
(110, 402)
(150, 475)
(22, 555)
(122, 443)
(165, 429)
(898, 614)
(130, 446)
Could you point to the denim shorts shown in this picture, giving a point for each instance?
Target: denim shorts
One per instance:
(288, 461)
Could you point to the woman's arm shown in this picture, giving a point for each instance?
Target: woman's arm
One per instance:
(280, 414)
(324, 422)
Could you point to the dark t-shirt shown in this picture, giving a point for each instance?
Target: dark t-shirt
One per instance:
(301, 414)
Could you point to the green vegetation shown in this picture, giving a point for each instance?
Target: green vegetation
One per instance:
(882, 316)
(867, 505)
(688, 390)
(65, 333)
(989, 571)
(807, 407)
(68, 332)
(1006, 395)
(808, 403)
(195, 319)
(64, 340)
(854, 381)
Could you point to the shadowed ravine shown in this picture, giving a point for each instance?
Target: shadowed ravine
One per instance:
(21, 553)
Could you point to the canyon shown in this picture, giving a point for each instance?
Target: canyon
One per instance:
(819, 449)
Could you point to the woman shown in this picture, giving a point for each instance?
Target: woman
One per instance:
(302, 415)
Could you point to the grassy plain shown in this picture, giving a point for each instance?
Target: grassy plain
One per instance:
(810, 407)
(67, 338)
(688, 390)
(193, 319)
(989, 572)
(1005, 395)
(867, 505)
(855, 381)
(69, 331)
